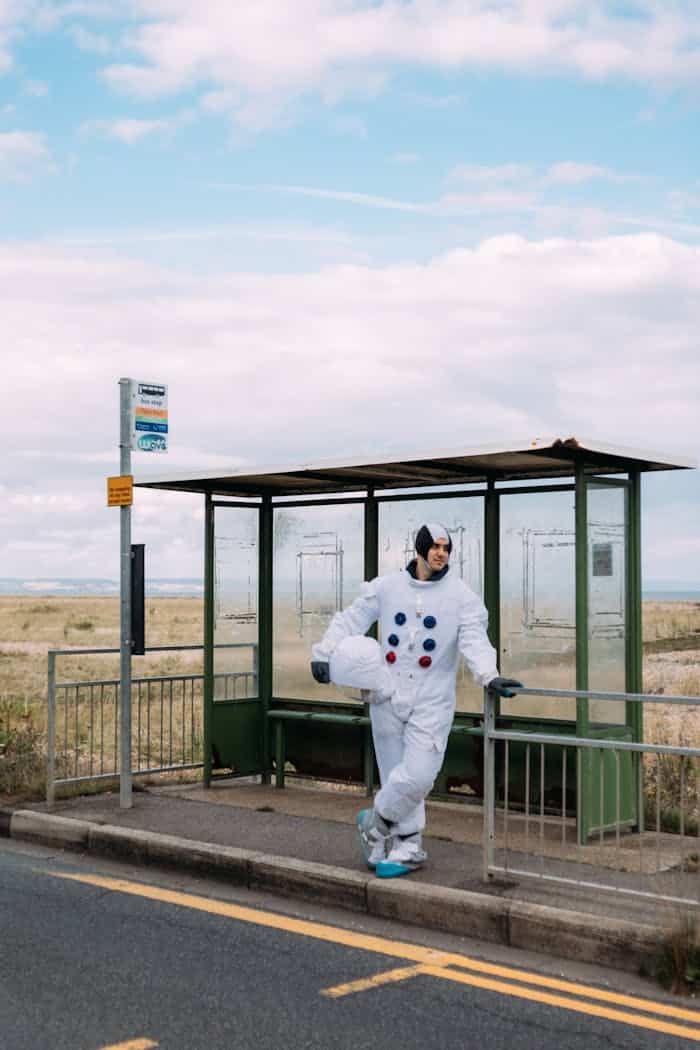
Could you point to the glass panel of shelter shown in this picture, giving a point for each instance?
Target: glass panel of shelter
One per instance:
(538, 598)
(317, 570)
(235, 602)
(463, 516)
(607, 604)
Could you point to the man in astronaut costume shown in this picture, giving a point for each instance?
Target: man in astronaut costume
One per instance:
(427, 617)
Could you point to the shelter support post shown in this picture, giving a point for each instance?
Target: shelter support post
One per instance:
(265, 620)
(371, 536)
(371, 565)
(492, 570)
(582, 719)
(634, 715)
(208, 635)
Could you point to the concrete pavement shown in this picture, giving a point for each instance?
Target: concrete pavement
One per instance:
(301, 842)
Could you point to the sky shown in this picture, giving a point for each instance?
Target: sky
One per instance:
(336, 228)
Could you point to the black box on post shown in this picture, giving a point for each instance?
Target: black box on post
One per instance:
(138, 600)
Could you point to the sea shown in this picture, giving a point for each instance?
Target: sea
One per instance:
(193, 587)
(96, 587)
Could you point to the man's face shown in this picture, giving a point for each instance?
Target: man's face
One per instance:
(438, 555)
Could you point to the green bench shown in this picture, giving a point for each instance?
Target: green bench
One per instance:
(280, 716)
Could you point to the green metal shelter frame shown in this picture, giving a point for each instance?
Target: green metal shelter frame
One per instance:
(332, 739)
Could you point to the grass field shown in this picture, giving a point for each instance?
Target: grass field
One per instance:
(29, 627)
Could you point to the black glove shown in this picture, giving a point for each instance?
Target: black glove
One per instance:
(321, 671)
(504, 686)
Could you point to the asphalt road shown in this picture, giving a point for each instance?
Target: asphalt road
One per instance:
(97, 955)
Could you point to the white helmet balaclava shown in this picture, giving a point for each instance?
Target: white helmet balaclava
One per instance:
(428, 535)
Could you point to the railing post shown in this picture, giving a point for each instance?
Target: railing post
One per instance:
(489, 783)
(51, 731)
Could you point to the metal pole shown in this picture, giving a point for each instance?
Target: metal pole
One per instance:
(51, 733)
(489, 783)
(125, 795)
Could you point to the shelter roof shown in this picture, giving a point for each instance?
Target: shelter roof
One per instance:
(536, 460)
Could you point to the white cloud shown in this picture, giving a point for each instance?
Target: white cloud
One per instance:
(571, 173)
(13, 13)
(35, 88)
(93, 43)
(260, 55)
(348, 196)
(563, 173)
(20, 18)
(510, 190)
(480, 174)
(22, 154)
(131, 130)
(504, 341)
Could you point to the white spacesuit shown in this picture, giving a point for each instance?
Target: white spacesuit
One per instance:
(424, 625)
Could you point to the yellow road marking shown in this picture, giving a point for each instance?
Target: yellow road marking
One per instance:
(426, 957)
(567, 1004)
(132, 1044)
(365, 983)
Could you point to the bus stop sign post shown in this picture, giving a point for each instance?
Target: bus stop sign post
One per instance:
(143, 425)
(125, 785)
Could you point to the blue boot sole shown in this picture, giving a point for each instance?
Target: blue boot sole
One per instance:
(387, 869)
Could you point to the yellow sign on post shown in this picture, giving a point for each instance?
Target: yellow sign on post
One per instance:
(120, 491)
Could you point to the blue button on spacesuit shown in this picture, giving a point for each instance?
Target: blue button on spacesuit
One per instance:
(429, 622)
(400, 619)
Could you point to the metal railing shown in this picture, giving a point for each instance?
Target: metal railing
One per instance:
(605, 813)
(83, 742)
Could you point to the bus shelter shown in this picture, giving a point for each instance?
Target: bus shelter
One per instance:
(548, 533)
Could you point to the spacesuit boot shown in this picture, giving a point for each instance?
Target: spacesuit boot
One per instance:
(405, 855)
(374, 835)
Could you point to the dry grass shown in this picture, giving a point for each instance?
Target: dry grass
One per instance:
(672, 672)
(30, 626)
(661, 620)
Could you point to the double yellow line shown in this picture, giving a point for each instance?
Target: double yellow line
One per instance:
(448, 966)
